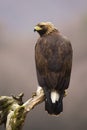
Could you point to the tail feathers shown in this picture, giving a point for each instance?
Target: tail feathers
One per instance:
(54, 108)
(53, 102)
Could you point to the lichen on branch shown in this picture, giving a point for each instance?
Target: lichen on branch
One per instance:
(13, 111)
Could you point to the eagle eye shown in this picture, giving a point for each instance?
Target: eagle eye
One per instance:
(41, 26)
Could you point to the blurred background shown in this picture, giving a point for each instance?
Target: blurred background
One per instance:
(17, 65)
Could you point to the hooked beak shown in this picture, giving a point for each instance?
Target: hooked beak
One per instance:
(37, 28)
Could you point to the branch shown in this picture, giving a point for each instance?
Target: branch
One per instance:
(37, 98)
(13, 111)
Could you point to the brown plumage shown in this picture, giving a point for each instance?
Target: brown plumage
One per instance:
(53, 56)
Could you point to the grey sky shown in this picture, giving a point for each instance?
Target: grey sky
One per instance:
(21, 14)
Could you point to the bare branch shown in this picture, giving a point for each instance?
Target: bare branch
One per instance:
(37, 98)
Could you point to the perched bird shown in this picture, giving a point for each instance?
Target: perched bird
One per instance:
(53, 56)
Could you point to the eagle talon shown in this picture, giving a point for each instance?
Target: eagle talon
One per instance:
(33, 94)
(65, 93)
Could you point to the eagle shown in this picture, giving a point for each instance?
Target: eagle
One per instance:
(53, 58)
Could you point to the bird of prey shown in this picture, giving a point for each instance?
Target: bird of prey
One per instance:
(53, 57)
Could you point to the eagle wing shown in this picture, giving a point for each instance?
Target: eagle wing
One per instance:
(53, 55)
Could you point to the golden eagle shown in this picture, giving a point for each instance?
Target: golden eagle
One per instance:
(53, 56)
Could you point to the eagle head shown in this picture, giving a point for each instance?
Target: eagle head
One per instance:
(44, 28)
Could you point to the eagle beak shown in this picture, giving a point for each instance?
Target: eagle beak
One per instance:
(37, 28)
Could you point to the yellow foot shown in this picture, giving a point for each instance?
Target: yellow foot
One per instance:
(33, 94)
(65, 93)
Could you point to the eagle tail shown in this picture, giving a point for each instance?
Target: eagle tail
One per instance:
(54, 103)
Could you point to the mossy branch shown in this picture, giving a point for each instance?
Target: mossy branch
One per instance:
(13, 111)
